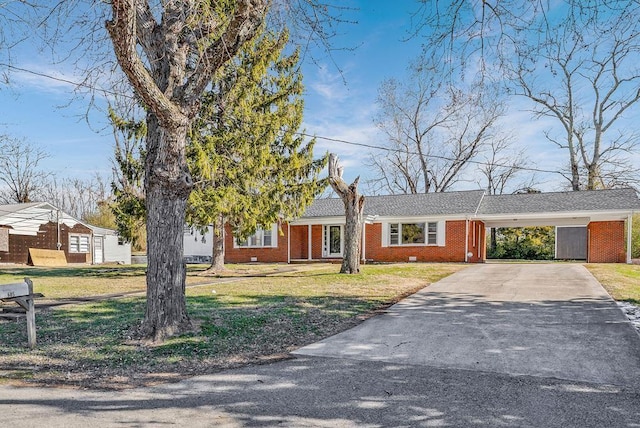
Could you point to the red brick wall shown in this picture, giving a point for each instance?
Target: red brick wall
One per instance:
(45, 239)
(606, 242)
(299, 248)
(316, 241)
(264, 255)
(453, 251)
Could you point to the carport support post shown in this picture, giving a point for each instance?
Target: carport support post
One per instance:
(629, 226)
(309, 246)
(466, 240)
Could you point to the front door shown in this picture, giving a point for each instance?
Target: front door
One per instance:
(333, 241)
(98, 254)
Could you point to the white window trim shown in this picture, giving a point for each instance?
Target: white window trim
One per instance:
(274, 239)
(77, 250)
(441, 226)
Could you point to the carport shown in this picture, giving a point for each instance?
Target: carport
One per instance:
(596, 224)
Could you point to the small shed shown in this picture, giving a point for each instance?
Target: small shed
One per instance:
(109, 247)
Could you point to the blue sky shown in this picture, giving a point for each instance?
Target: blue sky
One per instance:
(340, 100)
(340, 95)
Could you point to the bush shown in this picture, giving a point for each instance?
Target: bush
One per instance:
(525, 243)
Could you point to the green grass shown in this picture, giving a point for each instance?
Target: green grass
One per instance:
(80, 281)
(252, 319)
(622, 281)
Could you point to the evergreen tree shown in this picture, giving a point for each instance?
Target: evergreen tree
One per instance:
(250, 165)
(128, 205)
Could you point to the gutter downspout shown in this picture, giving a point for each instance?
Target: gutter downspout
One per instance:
(58, 244)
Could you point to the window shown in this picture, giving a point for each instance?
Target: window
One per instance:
(4, 239)
(432, 233)
(262, 238)
(413, 233)
(79, 243)
(393, 234)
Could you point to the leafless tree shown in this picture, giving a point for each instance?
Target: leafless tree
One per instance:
(353, 207)
(20, 171)
(168, 52)
(575, 59)
(585, 76)
(434, 129)
(78, 197)
(502, 165)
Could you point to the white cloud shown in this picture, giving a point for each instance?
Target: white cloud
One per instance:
(44, 78)
(331, 87)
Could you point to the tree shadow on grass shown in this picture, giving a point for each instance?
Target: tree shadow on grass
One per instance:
(92, 345)
(77, 272)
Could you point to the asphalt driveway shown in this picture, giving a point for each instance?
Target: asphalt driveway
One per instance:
(490, 346)
(549, 320)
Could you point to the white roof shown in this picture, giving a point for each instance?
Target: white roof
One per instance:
(26, 219)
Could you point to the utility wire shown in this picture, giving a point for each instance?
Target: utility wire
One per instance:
(388, 149)
(63, 80)
(337, 140)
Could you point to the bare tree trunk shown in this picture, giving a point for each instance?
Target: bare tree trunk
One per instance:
(217, 254)
(167, 187)
(494, 241)
(353, 207)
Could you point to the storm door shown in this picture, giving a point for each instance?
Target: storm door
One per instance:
(333, 241)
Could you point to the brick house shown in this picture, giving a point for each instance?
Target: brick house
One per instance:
(446, 227)
(41, 225)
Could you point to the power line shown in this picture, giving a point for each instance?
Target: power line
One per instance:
(63, 80)
(337, 140)
(388, 149)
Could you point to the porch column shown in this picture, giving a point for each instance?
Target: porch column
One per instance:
(309, 246)
(364, 228)
(466, 240)
(288, 243)
(629, 227)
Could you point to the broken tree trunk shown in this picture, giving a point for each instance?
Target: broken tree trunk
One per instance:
(353, 208)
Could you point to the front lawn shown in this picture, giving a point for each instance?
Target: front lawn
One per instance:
(622, 281)
(249, 315)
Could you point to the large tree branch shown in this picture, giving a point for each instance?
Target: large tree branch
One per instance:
(123, 33)
(243, 26)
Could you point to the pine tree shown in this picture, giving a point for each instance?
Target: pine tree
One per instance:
(128, 205)
(251, 166)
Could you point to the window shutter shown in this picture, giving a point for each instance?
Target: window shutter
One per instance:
(385, 234)
(274, 235)
(442, 226)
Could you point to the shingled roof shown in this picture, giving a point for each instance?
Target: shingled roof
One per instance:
(588, 200)
(424, 204)
(473, 202)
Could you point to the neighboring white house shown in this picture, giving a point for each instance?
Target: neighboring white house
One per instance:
(197, 246)
(108, 247)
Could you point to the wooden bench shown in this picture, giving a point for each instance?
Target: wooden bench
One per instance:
(22, 294)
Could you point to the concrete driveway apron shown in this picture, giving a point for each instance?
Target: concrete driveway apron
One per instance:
(547, 320)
